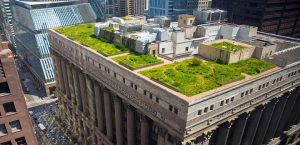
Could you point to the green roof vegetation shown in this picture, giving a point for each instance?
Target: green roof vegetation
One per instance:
(110, 29)
(84, 34)
(227, 46)
(135, 61)
(125, 18)
(192, 76)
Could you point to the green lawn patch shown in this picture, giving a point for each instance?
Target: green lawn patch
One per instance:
(135, 61)
(252, 66)
(227, 46)
(84, 34)
(192, 76)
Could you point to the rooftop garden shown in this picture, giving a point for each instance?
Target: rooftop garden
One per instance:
(84, 34)
(135, 61)
(227, 46)
(192, 76)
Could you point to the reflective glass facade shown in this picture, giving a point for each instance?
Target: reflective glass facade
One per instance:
(31, 33)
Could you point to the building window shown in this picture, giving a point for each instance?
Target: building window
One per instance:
(242, 95)
(205, 109)
(186, 48)
(176, 111)
(274, 81)
(135, 87)
(9, 108)
(145, 92)
(259, 87)
(199, 112)
(3, 130)
(115, 74)
(163, 50)
(124, 80)
(21, 141)
(247, 92)
(4, 88)
(227, 101)
(251, 91)
(222, 103)
(15, 126)
(211, 107)
(151, 96)
(157, 100)
(6, 143)
(267, 84)
(232, 99)
(131, 84)
(170, 107)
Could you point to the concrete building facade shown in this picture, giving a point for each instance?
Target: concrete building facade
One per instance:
(15, 124)
(106, 103)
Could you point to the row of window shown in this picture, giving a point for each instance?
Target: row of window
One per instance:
(132, 85)
(243, 94)
(14, 125)
(19, 141)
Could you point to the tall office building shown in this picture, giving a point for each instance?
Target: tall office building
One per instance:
(31, 21)
(15, 124)
(181, 100)
(280, 17)
(173, 8)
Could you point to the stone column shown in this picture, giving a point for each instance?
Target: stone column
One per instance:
(131, 129)
(59, 74)
(286, 113)
(76, 88)
(264, 122)
(118, 120)
(296, 136)
(70, 82)
(252, 126)
(275, 118)
(296, 110)
(144, 130)
(99, 107)
(90, 97)
(65, 77)
(161, 136)
(223, 133)
(238, 130)
(82, 90)
(108, 114)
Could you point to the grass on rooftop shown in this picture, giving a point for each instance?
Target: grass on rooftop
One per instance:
(227, 46)
(135, 61)
(84, 34)
(192, 76)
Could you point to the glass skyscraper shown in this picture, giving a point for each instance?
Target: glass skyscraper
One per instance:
(173, 8)
(31, 21)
